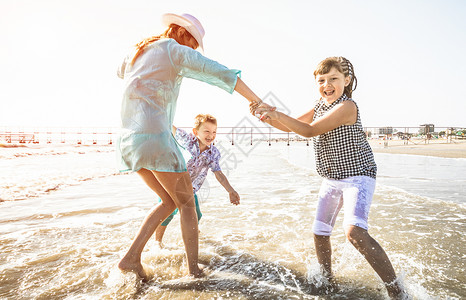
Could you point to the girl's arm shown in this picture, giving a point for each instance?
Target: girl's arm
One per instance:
(234, 196)
(276, 124)
(342, 114)
(306, 118)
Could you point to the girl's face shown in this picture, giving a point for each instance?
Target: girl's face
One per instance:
(206, 133)
(332, 85)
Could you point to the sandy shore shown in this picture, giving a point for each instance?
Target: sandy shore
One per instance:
(12, 145)
(454, 149)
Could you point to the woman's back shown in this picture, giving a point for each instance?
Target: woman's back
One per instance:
(154, 63)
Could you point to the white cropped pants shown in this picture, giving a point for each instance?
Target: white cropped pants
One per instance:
(354, 193)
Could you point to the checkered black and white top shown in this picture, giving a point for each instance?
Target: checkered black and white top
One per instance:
(344, 151)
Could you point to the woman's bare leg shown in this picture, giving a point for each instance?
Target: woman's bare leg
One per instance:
(132, 260)
(180, 189)
(377, 258)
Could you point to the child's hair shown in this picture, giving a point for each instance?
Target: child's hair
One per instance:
(343, 66)
(173, 31)
(201, 118)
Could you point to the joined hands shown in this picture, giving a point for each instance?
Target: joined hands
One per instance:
(262, 110)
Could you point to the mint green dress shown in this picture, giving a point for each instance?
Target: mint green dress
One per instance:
(151, 87)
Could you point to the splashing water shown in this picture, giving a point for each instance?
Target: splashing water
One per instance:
(66, 243)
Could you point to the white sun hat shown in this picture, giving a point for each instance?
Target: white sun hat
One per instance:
(189, 22)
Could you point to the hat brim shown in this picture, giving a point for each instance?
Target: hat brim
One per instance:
(168, 19)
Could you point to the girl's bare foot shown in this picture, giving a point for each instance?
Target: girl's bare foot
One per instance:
(135, 267)
(396, 291)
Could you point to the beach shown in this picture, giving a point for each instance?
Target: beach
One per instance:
(68, 216)
(438, 148)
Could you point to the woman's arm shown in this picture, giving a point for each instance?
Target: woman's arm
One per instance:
(342, 114)
(246, 92)
(192, 64)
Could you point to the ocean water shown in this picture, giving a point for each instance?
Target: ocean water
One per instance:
(68, 216)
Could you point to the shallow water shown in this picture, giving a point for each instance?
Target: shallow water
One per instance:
(64, 243)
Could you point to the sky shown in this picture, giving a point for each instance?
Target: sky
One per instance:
(59, 58)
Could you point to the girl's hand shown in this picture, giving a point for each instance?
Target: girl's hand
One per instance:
(268, 115)
(266, 112)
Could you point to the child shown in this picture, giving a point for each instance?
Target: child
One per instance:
(345, 160)
(205, 156)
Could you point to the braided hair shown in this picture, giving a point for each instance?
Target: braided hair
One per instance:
(343, 66)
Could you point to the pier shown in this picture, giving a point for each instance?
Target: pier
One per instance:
(77, 136)
(21, 137)
(238, 135)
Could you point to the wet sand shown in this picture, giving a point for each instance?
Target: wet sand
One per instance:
(439, 148)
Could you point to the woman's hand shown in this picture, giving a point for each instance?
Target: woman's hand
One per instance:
(264, 111)
(255, 106)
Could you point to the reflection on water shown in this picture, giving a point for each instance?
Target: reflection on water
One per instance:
(65, 244)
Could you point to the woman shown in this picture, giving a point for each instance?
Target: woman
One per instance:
(153, 75)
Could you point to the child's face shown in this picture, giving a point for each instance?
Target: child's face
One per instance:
(332, 85)
(206, 133)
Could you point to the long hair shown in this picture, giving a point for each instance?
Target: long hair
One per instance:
(343, 66)
(176, 32)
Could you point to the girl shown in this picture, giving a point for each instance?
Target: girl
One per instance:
(345, 160)
(153, 73)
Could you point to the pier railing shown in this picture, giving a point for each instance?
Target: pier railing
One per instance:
(234, 135)
(56, 135)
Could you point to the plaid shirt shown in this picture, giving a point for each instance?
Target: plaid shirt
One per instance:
(200, 163)
(344, 151)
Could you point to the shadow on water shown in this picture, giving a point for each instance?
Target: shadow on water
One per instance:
(235, 272)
